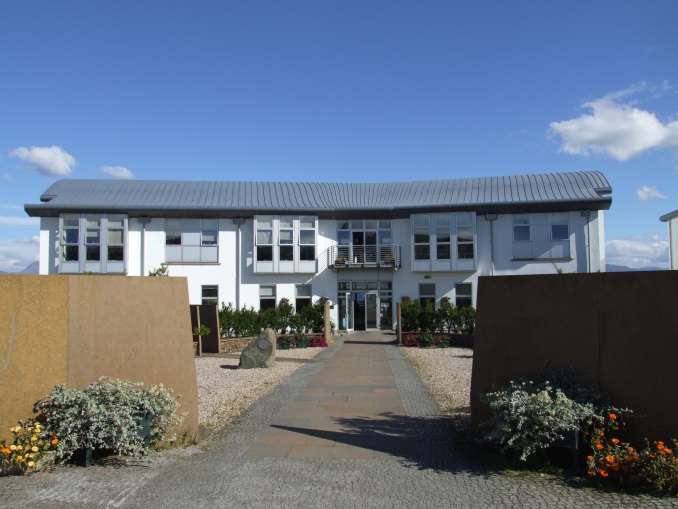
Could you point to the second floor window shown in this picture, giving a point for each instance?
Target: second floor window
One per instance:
(285, 238)
(541, 236)
(192, 240)
(422, 237)
(444, 236)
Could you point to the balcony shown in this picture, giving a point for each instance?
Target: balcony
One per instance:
(364, 257)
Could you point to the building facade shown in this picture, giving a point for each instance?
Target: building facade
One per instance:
(672, 220)
(362, 246)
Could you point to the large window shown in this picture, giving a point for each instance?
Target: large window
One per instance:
(285, 243)
(463, 294)
(191, 240)
(541, 236)
(444, 237)
(365, 241)
(267, 297)
(92, 243)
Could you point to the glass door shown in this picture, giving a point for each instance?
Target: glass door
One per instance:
(345, 311)
(372, 310)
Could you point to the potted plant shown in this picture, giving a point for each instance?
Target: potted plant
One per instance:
(388, 259)
(285, 342)
(441, 341)
(340, 261)
(301, 340)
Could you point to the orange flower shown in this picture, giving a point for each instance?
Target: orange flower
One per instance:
(652, 456)
(613, 417)
(610, 459)
(55, 441)
(615, 466)
(630, 449)
(591, 472)
(590, 458)
(615, 441)
(599, 447)
(602, 472)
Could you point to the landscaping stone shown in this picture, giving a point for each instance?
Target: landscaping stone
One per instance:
(260, 353)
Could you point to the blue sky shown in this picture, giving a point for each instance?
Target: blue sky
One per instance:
(341, 91)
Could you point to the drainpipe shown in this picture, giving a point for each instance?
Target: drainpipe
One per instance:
(491, 218)
(237, 221)
(143, 220)
(587, 214)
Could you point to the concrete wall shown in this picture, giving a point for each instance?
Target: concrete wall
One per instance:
(74, 329)
(618, 329)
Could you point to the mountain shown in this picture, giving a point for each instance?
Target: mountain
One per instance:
(33, 268)
(622, 268)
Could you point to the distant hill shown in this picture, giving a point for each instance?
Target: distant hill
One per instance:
(33, 268)
(622, 268)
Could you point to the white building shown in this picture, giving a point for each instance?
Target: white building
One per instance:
(363, 246)
(672, 219)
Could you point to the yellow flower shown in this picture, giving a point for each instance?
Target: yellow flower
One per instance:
(13, 447)
(31, 464)
(19, 458)
(34, 438)
(34, 449)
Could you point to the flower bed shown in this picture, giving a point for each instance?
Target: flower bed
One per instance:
(418, 339)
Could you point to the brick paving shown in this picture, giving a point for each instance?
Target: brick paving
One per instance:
(357, 429)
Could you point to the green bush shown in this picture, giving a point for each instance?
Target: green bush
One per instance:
(529, 415)
(106, 415)
(447, 318)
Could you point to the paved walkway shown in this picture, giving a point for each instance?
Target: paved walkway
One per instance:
(355, 429)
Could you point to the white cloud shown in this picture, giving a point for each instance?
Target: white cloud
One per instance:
(51, 161)
(34, 240)
(638, 253)
(646, 193)
(18, 256)
(118, 172)
(19, 221)
(615, 128)
(7, 177)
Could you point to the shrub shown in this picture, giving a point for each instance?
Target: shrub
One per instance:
(612, 461)
(30, 441)
(106, 415)
(530, 415)
(411, 340)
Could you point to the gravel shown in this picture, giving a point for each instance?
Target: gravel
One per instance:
(446, 372)
(224, 391)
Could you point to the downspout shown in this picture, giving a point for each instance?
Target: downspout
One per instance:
(143, 220)
(238, 221)
(587, 214)
(491, 218)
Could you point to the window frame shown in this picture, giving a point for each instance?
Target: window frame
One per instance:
(458, 295)
(427, 297)
(206, 300)
(269, 300)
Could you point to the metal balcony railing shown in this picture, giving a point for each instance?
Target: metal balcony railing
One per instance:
(383, 255)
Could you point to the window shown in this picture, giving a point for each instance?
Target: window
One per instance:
(267, 297)
(307, 238)
(427, 294)
(70, 238)
(264, 238)
(115, 236)
(464, 235)
(192, 240)
(443, 236)
(303, 297)
(210, 294)
(92, 243)
(541, 236)
(422, 246)
(286, 238)
(463, 294)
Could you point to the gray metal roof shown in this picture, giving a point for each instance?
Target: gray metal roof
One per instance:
(169, 198)
(669, 216)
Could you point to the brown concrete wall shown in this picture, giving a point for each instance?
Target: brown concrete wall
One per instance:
(620, 330)
(133, 328)
(33, 343)
(85, 327)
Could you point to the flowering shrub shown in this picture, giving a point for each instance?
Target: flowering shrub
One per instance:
(106, 415)
(654, 468)
(411, 340)
(317, 341)
(29, 443)
(530, 415)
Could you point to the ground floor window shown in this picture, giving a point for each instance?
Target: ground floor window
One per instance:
(303, 297)
(210, 295)
(365, 305)
(427, 294)
(267, 297)
(463, 294)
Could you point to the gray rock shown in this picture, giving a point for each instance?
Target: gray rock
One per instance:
(260, 353)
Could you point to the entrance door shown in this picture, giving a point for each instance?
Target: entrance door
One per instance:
(366, 310)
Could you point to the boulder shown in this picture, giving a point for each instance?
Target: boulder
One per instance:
(260, 353)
